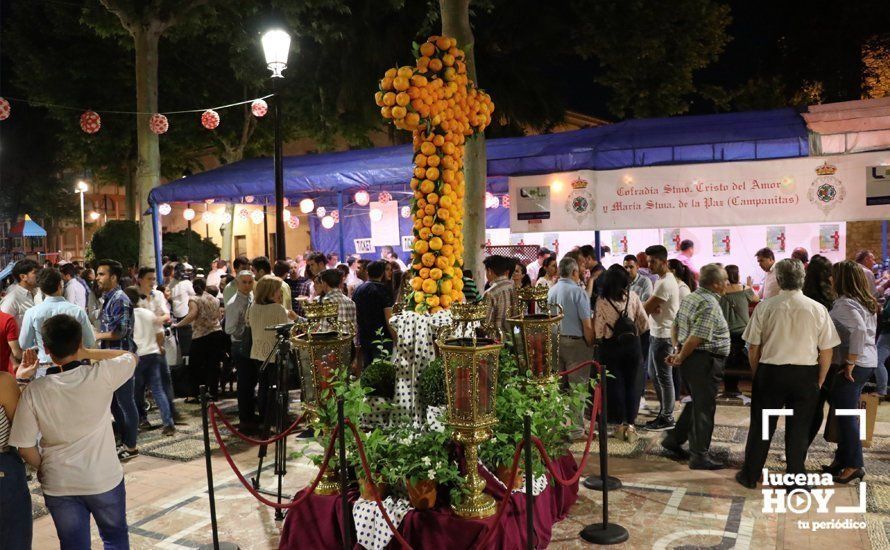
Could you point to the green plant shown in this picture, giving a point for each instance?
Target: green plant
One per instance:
(200, 251)
(380, 375)
(378, 446)
(116, 240)
(431, 385)
(420, 455)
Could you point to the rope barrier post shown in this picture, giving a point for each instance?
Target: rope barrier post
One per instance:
(595, 482)
(529, 497)
(344, 481)
(216, 545)
(605, 532)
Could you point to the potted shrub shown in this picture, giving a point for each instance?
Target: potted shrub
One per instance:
(378, 450)
(431, 392)
(379, 379)
(422, 460)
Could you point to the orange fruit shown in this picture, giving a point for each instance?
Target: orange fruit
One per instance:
(403, 99)
(429, 286)
(400, 83)
(429, 209)
(424, 233)
(432, 173)
(428, 260)
(427, 148)
(426, 186)
(389, 99)
(442, 262)
(386, 83)
(443, 43)
(437, 229)
(432, 198)
(419, 80)
(427, 222)
(432, 160)
(419, 172)
(435, 273)
(378, 99)
(435, 65)
(386, 112)
(439, 141)
(405, 72)
(416, 282)
(435, 243)
(420, 308)
(445, 300)
(432, 301)
(391, 73)
(399, 112)
(420, 160)
(427, 49)
(422, 246)
(412, 119)
(424, 272)
(457, 283)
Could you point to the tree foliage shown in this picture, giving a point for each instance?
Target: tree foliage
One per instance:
(188, 243)
(118, 240)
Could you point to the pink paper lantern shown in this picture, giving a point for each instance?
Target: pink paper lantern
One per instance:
(90, 122)
(505, 201)
(293, 222)
(210, 119)
(384, 197)
(158, 123)
(5, 109)
(249, 199)
(259, 108)
(336, 215)
(243, 213)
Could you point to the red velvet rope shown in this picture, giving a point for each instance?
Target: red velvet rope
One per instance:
(215, 410)
(249, 487)
(578, 367)
(370, 478)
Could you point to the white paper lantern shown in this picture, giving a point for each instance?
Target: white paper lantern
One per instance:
(327, 222)
(294, 222)
(259, 108)
(307, 205)
(491, 201)
(286, 202)
(224, 218)
(384, 197)
(362, 198)
(95, 215)
(406, 211)
(285, 215)
(256, 217)
(249, 199)
(320, 211)
(188, 214)
(164, 209)
(375, 214)
(207, 217)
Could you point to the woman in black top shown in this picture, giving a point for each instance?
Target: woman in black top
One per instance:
(817, 285)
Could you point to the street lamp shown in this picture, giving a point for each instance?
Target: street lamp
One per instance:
(276, 45)
(81, 188)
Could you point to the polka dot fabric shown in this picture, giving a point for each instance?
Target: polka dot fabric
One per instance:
(371, 529)
(415, 350)
(538, 484)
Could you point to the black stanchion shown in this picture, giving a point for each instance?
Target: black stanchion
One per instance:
(605, 532)
(529, 498)
(595, 482)
(344, 479)
(216, 545)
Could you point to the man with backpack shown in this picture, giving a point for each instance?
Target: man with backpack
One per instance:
(703, 336)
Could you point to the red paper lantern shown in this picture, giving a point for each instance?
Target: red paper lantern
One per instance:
(158, 123)
(384, 197)
(90, 122)
(210, 119)
(336, 215)
(505, 201)
(4, 109)
(259, 108)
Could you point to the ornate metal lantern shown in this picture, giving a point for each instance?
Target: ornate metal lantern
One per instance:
(324, 348)
(538, 340)
(470, 351)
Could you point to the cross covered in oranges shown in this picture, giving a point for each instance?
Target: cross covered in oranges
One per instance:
(436, 101)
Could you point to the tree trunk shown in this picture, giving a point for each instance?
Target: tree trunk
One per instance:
(148, 166)
(456, 23)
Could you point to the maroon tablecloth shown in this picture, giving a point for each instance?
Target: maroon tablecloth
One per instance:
(317, 522)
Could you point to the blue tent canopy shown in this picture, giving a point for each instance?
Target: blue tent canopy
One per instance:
(728, 137)
(27, 228)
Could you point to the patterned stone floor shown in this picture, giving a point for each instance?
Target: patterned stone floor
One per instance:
(663, 504)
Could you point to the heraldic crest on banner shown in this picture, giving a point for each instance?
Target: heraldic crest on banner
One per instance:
(826, 191)
(580, 202)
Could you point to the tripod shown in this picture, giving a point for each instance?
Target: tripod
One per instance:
(277, 402)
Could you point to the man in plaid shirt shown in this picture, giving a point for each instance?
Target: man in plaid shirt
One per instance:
(116, 332)
(329, 291)
(500, 293)
(702, 330)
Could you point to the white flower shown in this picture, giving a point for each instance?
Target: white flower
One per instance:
(426, 461)
(431, 474)
(405, 441)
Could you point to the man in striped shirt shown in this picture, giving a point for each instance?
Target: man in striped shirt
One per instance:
(329, 291)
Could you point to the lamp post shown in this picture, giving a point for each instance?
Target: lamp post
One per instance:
(276, 45)
(81, 188)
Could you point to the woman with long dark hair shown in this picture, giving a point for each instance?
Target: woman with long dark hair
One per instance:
(685, 277)
(817, 285)
(855, 316)
(620, 347)
(548, 274)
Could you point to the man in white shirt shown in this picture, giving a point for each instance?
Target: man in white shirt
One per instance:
(866, 259)
(389, 254)
(766, 260)
(181, 291)
(217, 272)
(687, 251)
(790, 339)
(662, 308)
(76, 290)
(69, 410)
(20, 296)
(532, 268)
(148, 338)
(154, 300)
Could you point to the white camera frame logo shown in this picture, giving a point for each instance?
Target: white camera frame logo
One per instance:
(799, 501)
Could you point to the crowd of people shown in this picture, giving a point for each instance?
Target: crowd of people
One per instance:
(82, 345)
(810, 334)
